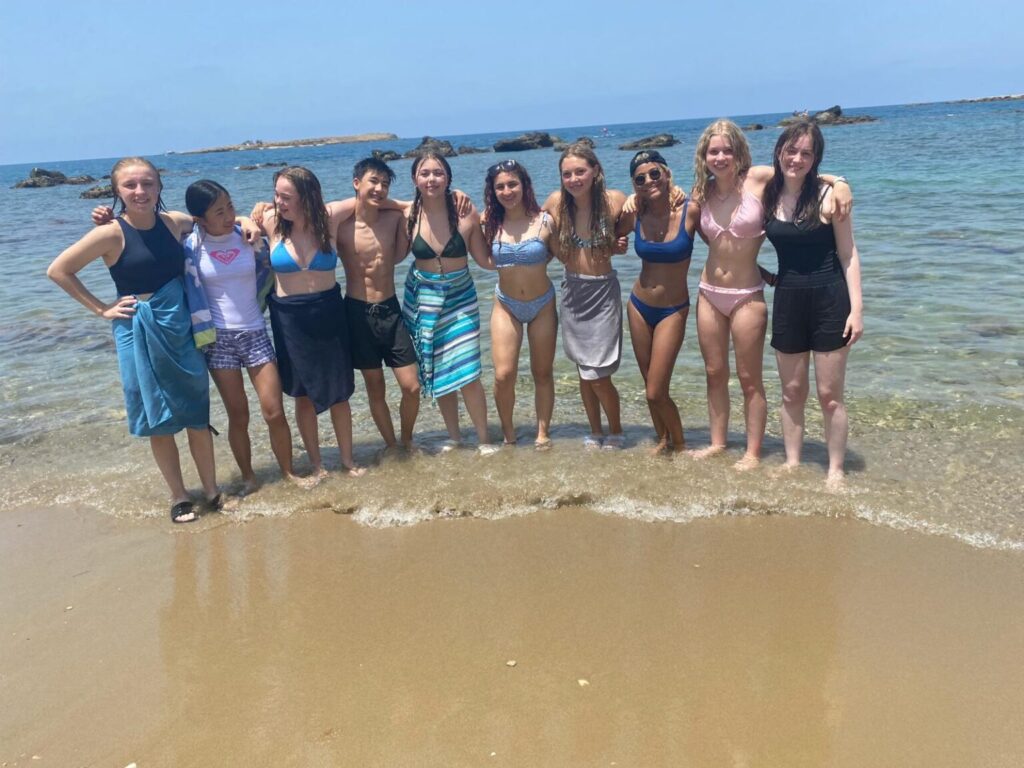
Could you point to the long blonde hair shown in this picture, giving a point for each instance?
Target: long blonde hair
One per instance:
(702, 177)
(602, 231)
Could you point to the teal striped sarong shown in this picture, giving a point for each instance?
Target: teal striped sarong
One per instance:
(443, 317)
(164, 377)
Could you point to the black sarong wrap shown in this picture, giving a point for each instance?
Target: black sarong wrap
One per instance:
(311, 339)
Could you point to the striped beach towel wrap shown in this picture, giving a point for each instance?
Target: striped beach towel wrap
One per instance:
(443, 318)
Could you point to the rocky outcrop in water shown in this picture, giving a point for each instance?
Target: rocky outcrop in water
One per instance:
(385, 155)
(561, 146)
(831, 116)
(40, 177)
(97, 192)
(466, 150)
(652, 142)
(430, 144)
(257, 166)
(529, 140)
(754, 127)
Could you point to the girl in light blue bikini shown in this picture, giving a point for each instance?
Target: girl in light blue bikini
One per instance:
(518, 232)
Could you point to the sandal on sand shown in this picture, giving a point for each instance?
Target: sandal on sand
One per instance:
(183, 512)
(614, 442)
(592, 442)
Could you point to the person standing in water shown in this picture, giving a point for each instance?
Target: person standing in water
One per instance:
(163, 374)
(371, 242)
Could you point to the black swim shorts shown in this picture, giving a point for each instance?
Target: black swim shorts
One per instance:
(378, 335)
(810, 318)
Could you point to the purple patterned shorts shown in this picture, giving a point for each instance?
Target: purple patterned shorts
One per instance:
(240, 349)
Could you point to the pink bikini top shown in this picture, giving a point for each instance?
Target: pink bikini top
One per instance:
(747, 220)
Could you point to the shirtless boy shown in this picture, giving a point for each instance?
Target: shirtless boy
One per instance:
(370, 244)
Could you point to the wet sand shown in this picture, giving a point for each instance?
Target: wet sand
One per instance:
(314, 641)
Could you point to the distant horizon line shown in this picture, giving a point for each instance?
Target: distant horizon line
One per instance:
(272, 141)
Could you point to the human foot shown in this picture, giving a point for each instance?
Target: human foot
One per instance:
(836, 481)
(706, 452)
(747, 463)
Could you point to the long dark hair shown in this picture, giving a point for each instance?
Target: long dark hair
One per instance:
(126, 162)
(449, 200)
(808, 205)
(307, 186)
(494, 211)
(601, 232)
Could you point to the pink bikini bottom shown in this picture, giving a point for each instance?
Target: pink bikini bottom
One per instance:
(725, 300)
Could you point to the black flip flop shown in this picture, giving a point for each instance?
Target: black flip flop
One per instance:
(182, 510)
(214, 505)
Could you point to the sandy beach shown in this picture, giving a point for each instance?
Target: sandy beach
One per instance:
(316, 641)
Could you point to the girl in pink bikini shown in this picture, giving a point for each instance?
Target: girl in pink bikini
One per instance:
(731, 304)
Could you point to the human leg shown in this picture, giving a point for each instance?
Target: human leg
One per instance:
(236, 403)
(830, 378)
(506, 343)
(793, 376)
(749, 322)
(267, 383)
(408, 380)
(476, 405)
(305, 419)
(376, 394)
(713, 338)
(341, 418)
(543, 333)
(200, 445)
(666, 343)
(642, 337)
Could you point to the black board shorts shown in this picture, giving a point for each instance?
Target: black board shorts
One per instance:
(378, 335)
(810, 318)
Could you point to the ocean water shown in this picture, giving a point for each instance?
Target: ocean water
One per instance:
(935, 388)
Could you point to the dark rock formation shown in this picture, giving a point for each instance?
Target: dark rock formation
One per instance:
(386, 155)
(430, 144)
(464, 150)
(530, 140)
(754, 127)
(561, 146)
(40, 177)
(94, 193)
(257, 166)
(652, 142)
(831, 116)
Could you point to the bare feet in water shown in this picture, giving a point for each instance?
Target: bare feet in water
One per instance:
(836, 481)
(704, 453)
(785, 469)
(249, 485)
(747, 463)
(305, 483)
(354, 471)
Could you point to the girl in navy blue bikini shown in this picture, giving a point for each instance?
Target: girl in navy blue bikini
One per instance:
(660, 301)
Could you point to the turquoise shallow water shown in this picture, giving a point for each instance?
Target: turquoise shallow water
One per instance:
(936, 388)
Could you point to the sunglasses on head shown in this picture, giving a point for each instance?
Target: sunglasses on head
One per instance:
(640, 179)
(504, 165)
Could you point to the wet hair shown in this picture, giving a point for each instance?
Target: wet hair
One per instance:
(702, 176)
(311, 199)
(644, 157)
(127, 162)
(494, 211)
(601, 230)
(808, 205)
(201, 194)
(373, 164)
(449, 200)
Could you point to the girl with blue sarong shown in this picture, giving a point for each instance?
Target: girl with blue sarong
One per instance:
(166, 387)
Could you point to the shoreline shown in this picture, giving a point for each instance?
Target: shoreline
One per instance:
(314, 640)
(318, 142)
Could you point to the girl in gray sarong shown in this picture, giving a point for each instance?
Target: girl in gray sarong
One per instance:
(586, 215)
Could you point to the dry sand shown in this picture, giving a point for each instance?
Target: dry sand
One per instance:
(313, 641)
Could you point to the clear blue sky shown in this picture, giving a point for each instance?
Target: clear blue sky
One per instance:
(81, 80)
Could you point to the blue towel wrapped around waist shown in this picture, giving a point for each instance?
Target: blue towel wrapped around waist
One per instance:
(166, 385)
